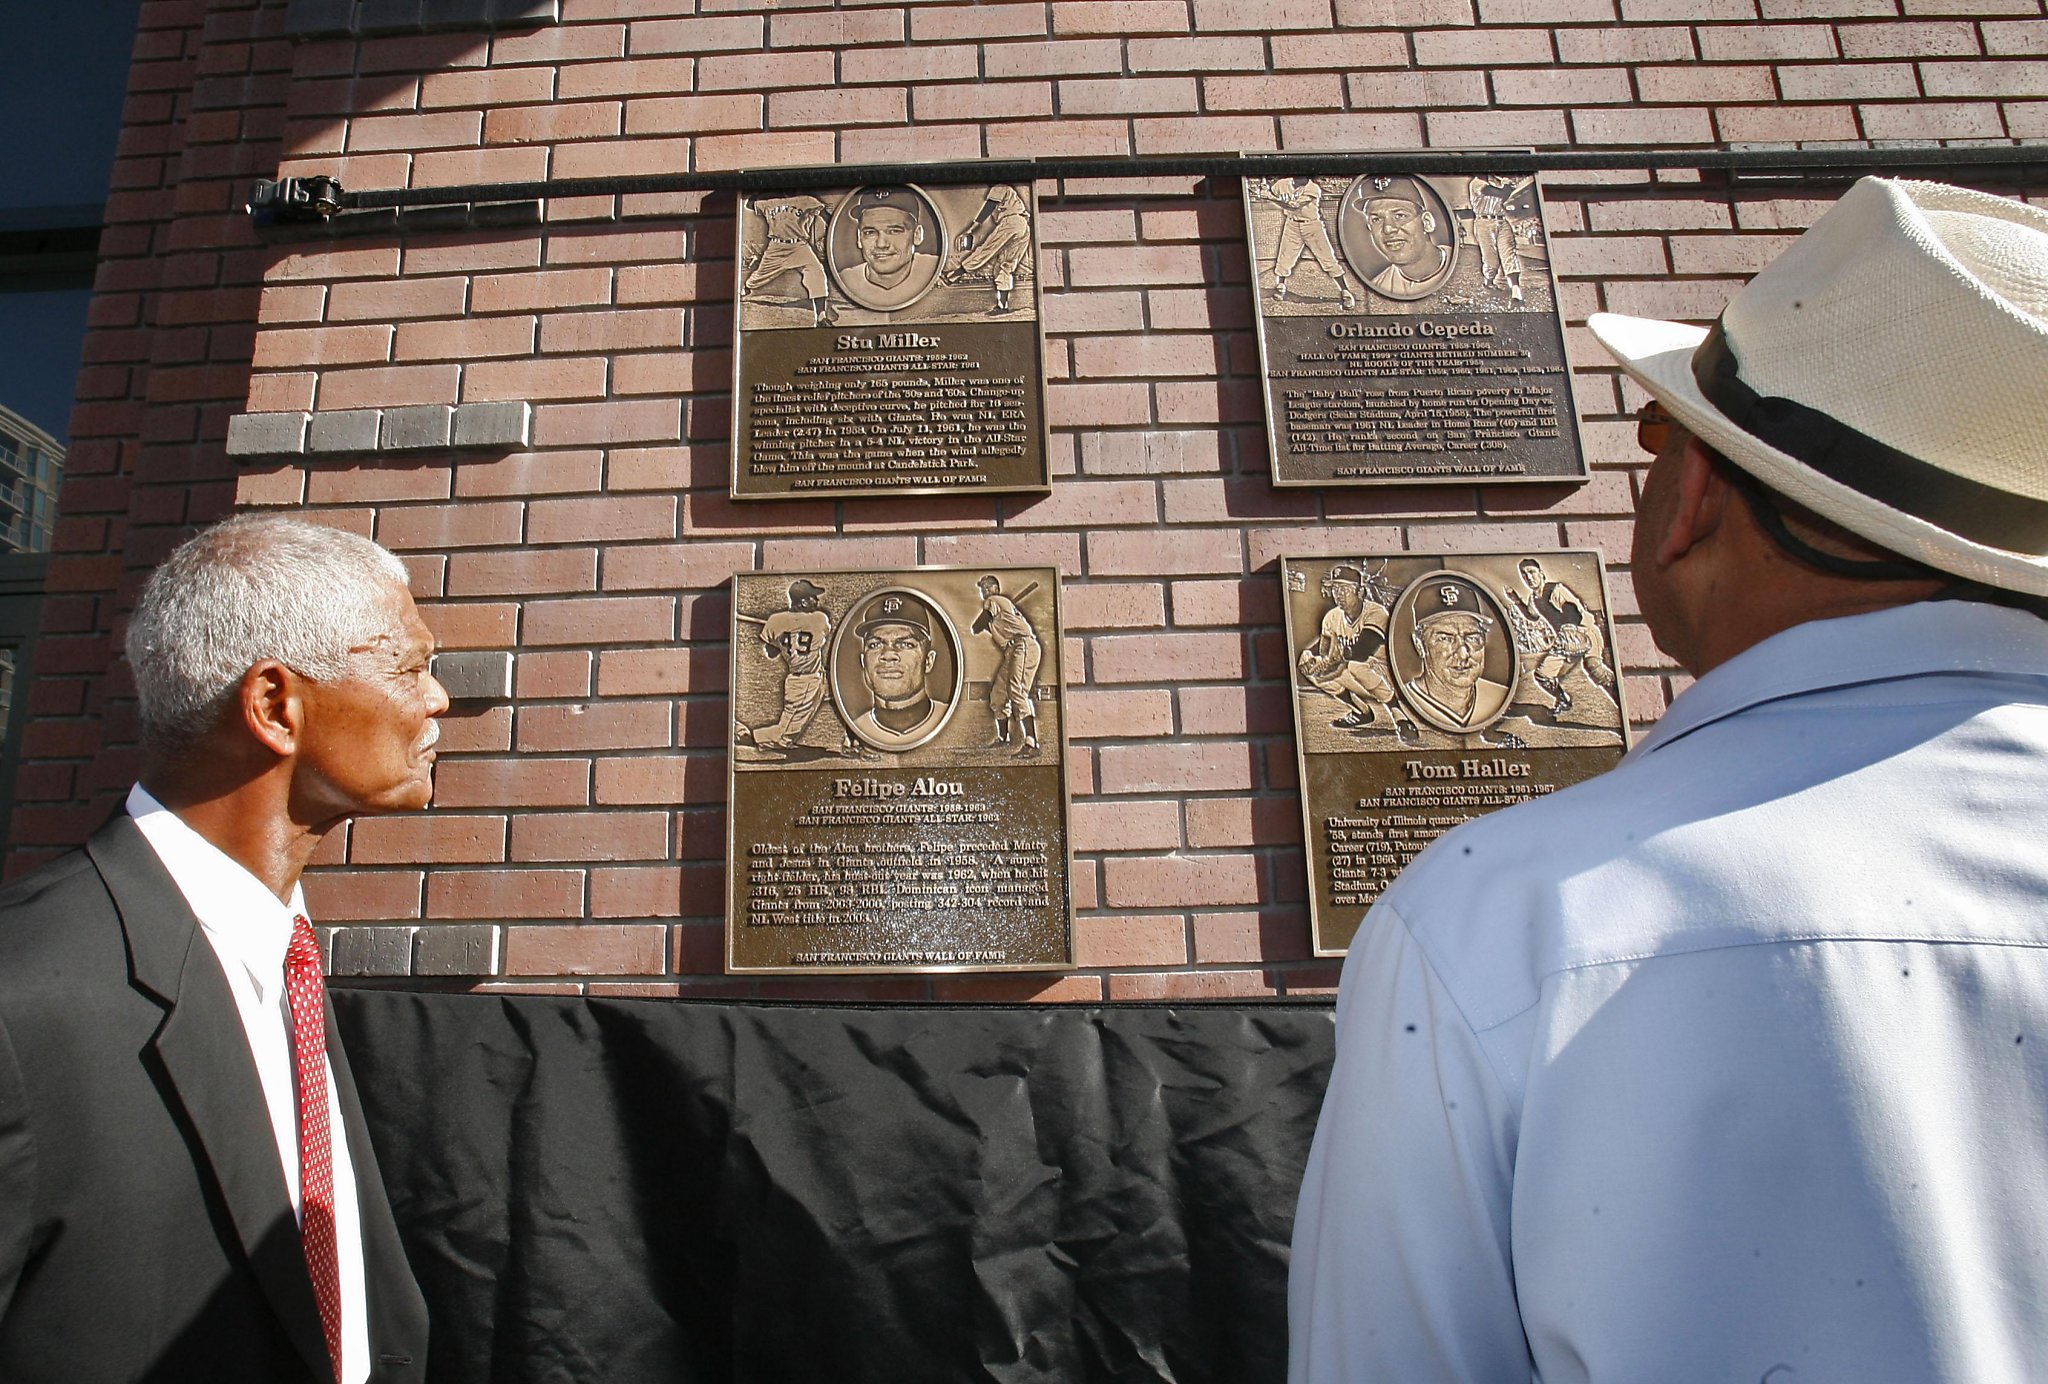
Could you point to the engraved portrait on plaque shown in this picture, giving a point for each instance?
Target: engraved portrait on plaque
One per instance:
(1409, 331)
(887, 342)
(896, 682)
(884, 242)
(1430, 689)
(897, 791)
(1401, 235)
(1448, 644)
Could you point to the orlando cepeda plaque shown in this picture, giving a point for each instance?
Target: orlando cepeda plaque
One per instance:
(887, 342)
(1409, 331)
(1430, 689)
(897, 790)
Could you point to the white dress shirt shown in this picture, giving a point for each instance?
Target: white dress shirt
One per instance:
(1730, 1064)
(249, 931)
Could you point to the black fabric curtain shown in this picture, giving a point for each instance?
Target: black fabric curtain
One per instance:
(642, 1190)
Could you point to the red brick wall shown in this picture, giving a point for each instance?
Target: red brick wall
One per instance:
(578, 833)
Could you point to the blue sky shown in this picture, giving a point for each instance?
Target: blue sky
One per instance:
(60, 114)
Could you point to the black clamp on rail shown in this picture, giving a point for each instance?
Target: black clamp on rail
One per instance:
(295, 208)
(294, 199)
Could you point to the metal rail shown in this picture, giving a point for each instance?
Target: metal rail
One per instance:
(307, 199)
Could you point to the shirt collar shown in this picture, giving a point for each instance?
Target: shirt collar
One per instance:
(241, 917)
(1899, 642)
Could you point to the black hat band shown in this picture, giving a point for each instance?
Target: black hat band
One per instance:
(1964, 507)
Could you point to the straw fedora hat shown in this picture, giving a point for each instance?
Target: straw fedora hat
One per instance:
(1889, 372)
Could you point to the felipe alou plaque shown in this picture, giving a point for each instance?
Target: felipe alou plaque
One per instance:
(1409, 331)
(887, 342)
(1431, 689)
(897, 794)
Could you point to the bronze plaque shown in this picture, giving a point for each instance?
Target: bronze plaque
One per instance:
(1409, 331)
(897, 794)
(1430, 689)
(887, 342)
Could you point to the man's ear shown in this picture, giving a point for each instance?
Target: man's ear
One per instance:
(272, 711)
(1699, 507)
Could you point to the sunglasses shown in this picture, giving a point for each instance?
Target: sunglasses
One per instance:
(1653, 428)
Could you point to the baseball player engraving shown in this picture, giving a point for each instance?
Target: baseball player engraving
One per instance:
(1564, 634)
(1013, 688)
(1494, 233)
(797, 636)
(995, 244)
(1300, 201)
(796, 229)
(1348, 659)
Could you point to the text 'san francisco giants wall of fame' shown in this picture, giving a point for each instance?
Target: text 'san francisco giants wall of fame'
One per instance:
(1431, 689)
(1409, 331)
(898, 785)
(887, 342)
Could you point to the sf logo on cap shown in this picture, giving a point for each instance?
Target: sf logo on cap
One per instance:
(891, 604)
(1447, 594)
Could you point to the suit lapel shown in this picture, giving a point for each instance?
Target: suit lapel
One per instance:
(397, 1313)
(206, 1056)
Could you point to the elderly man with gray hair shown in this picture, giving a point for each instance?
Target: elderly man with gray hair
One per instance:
(1732, 1063)
(186, 1188)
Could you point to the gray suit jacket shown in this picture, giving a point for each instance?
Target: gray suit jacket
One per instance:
(145, 1229)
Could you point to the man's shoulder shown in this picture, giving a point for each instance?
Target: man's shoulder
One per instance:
(53, 918)
(116, 860)
(1775, 825)
(1531, 836)
(52, 884)
(1491, 902)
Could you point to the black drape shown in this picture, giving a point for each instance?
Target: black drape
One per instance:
(629, 1190)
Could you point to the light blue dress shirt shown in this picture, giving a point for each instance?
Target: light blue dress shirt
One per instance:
(1728, 1062)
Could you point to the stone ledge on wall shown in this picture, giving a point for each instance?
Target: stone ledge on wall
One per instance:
(444, 949)
(354, 432)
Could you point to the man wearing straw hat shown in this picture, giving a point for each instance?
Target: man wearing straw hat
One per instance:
(1732, 1063)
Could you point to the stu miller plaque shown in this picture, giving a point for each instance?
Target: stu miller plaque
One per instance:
(1409, 331)
(897, 791)
(1431, 689)
(887, 342)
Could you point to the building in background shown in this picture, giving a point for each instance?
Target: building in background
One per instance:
(31, 464)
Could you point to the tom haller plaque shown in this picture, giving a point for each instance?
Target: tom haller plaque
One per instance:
(1430, 689)
(888, 343)
(1409, 331)
(898, 784)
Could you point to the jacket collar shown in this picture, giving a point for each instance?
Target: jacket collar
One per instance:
(206, 1055)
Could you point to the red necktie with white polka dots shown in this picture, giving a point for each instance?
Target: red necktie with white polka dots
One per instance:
(303, 991)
